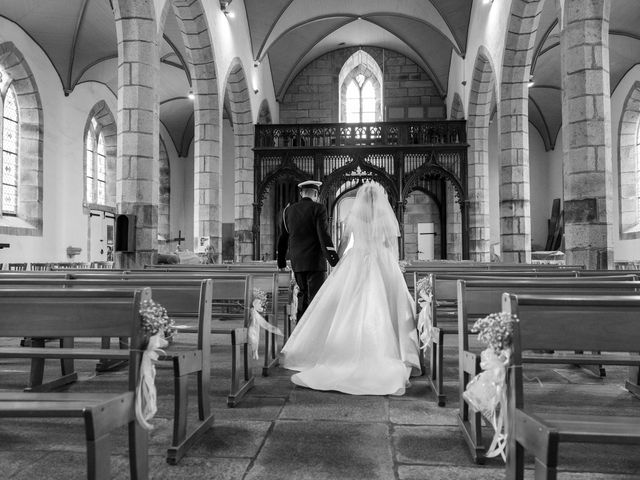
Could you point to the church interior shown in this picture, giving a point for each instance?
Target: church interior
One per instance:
(162, 139)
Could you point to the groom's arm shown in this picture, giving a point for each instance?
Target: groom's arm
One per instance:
(324, 235)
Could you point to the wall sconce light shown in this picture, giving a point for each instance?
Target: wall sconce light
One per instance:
(255, 64)
(531, 82)
(224, 6)
(191, 96)
(255, 90)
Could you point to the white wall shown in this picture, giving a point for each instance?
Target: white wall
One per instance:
(545, 171)
(64, 223)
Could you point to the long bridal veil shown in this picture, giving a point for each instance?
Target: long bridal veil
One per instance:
(372, 221)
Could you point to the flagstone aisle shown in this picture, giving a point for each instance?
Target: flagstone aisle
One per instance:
(285, 432)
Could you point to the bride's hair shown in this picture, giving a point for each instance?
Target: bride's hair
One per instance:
(371, 218)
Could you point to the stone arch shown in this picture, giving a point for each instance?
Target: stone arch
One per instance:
(200, 60)
(237, 91)
(628, 165)
(457, 108)
(515, 198)
(30, 138)
(109, 128)
(481, 97)
(264, 113)
(363, 63)
(138, 127)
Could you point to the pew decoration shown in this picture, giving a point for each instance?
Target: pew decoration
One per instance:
(403, 264)
(424, 290)
(258, 321)
(293, 309)
(159, 327)
(487, 391)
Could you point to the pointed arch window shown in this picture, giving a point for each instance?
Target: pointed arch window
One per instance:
(96, 165)
(9, 172)
(360, 89)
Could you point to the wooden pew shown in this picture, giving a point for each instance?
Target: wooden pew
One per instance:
(185, 299)
(80, 313)
(600, 323)
(444, 311)
(479, 298)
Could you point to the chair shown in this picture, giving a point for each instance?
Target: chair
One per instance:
(18, 266)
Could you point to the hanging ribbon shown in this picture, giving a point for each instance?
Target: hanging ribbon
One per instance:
(293, 309)
(258, 322)
(146, 397)
(425, 318)
(487, 394)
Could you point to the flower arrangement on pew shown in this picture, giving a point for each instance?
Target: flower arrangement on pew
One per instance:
(486, 392)
(159, 327)
(403, 264)
(258, 321)
(293, 307)
(424, 290)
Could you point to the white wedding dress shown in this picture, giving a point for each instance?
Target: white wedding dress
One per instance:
(358, 335)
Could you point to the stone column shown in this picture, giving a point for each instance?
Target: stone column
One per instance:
(586, 130)
(515, 191)
(138, 127)
(207, 195)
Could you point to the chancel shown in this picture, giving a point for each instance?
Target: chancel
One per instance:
(484, 152)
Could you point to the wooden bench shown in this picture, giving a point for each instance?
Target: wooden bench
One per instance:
(478, 298)
(80, 313)
(599, 323)
(274, 284)
(184, 299)
(444, 312)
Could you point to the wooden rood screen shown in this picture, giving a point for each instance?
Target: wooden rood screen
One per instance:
(401, 156)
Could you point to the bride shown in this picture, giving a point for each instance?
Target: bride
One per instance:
(358, 335)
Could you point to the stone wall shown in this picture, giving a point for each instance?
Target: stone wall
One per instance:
(420, 209)
(409, 93)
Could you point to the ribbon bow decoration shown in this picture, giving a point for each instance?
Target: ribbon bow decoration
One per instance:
(487, 394)
(258, 322)
(146, 397)
(425, 317)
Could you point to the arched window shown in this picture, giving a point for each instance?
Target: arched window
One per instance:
(96, 174)
(10, 129)
(360, 89)
(629, 165)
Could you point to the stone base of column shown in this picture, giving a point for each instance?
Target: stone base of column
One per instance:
(135, 260)
(590, 258)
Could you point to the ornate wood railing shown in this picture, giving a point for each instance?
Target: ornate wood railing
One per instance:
(402, 156)
(361, 134)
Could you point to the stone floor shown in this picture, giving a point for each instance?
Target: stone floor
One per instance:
(282, 432)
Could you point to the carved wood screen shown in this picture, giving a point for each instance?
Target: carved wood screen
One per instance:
(401, 156)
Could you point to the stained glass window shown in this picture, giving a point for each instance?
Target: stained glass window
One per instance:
(96, 170)
(10, 153)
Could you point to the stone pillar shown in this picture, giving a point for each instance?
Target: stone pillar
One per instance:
(207, 168)
(586, 130)
(515, 196)
(138, 127)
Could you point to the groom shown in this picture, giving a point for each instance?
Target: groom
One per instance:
(305, 234)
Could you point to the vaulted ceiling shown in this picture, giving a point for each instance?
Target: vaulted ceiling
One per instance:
(545, 96)
(295, 32)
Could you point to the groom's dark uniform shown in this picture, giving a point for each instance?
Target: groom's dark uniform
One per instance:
(305, 234)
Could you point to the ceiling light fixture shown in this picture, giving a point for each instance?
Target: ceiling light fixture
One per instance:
(191, 96)
(531, 82)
